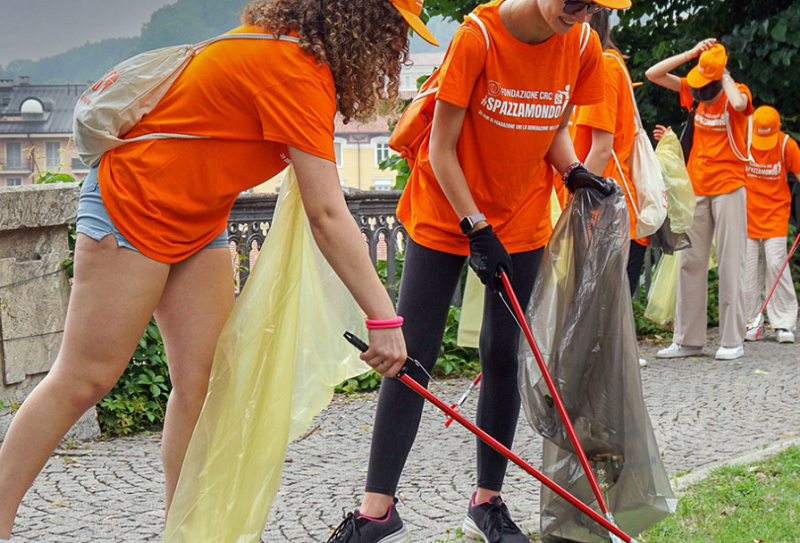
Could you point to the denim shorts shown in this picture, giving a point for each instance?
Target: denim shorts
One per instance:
(93, 220)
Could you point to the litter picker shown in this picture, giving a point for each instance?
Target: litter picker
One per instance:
(759, 320)
(617, 534)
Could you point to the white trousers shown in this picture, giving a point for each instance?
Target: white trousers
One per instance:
(722, 217)
(782, 306)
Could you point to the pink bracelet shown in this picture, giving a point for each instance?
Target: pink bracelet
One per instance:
(373, 324)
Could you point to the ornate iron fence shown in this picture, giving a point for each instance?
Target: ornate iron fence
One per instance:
(251, 218)
(374, 211)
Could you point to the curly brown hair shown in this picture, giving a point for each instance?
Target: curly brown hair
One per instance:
(364, 42)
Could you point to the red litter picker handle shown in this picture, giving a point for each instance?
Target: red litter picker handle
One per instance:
(562, 410)
(496, 445)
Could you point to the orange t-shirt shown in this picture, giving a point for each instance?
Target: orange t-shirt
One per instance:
(171, 197)
(614, 115)
(515, 96)
(769, 202)
(713, 166)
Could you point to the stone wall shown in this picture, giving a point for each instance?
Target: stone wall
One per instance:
(34, 290)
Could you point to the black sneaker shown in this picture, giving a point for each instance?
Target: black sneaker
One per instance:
(356, 528)
(490, 522)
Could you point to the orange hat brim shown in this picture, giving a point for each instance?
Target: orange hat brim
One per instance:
(614, 4)
(418, 26)
(696, 79)
(765, 143)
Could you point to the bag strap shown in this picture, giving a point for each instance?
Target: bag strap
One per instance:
(586, 33)
(783, 148)
(748, 139)
(480, 23)
(244, 36)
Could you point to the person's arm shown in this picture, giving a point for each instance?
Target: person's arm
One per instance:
(339, 239)
(660, 72)
(601, 151)
(448, 119)
(562, 151)
(736, 98)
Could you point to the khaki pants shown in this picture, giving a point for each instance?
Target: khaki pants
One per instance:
(723, 216)
(782, 306)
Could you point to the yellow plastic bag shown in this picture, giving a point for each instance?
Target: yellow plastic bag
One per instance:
(663, 292)
(680, 194)
(277, 361)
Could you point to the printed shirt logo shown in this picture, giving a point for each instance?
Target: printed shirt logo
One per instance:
(501, 106)
(710, 121)
(769, 171)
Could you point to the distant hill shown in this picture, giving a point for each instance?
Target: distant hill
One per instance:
(186, 21)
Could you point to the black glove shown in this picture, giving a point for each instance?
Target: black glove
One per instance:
(580, 178)
(487, 257)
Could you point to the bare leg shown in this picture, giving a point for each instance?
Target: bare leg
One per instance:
(113, 297)
(193, 309)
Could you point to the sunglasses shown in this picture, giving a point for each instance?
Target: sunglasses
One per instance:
(572, 7)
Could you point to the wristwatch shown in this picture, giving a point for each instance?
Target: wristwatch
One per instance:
(468, 223)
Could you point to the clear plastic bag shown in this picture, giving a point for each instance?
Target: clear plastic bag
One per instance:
(663, 291)
(680, 194)
(277, 362)
(582, 319)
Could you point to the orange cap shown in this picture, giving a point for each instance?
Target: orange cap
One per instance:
(410, 10)
(614, 4)
(766, 125)
(710, 67)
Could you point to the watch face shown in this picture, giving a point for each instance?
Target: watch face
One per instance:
(466, 225)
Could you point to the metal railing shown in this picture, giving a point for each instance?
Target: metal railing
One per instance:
(251, 218)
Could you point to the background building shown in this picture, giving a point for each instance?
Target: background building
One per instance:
(36, 131)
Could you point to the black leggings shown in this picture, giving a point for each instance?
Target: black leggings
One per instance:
(426, 292)
(635, 263)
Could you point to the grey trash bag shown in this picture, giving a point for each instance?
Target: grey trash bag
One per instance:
(582, 319)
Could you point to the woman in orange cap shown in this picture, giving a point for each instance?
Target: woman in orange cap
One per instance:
(478, 190)
(768, 208)
(717, 168)
(155, 240)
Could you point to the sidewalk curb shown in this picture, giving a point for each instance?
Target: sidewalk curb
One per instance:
(681, 483)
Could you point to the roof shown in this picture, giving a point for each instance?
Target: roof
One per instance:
(379, 125)
(58, 102)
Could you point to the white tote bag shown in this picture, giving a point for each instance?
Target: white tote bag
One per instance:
(650, 204)
(131, 89)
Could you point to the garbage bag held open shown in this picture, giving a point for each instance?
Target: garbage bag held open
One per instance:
(582, 319)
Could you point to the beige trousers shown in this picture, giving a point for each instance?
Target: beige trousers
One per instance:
(782, 306)
(723, 216)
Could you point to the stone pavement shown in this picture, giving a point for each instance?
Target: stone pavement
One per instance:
(703, 411)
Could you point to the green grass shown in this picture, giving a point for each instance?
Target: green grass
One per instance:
(757, 503)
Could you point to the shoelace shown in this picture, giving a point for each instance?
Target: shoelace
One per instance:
(347, 528)
(499, 521)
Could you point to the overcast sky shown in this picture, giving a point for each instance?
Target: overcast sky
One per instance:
(32, 29)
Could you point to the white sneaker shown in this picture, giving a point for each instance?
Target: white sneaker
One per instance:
(679, 351)
(784, 335)
(754, 334)
(642, 364)
(729, 353)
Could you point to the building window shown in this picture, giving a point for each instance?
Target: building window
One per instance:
(383, 183)
(14, 182)
(337, 150)
(13, 155)
(77, 164)
(52, 155)
(382, 152)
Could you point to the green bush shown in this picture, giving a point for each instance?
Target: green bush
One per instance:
(139, 399)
